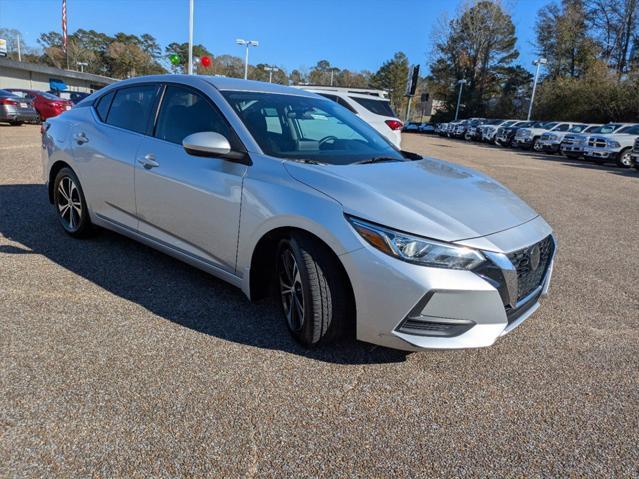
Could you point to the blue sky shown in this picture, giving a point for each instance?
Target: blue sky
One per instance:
(356, 34)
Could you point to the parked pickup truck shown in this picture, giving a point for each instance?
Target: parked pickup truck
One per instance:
(488, 130)
(550, 142)
(615, 147)
(573, 144)
(528, 138)
(635, 153)
(506, 134)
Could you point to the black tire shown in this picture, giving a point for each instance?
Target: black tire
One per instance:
(534, 147)
(15, 123)
(624, 160)
(322, 290)
(572, 156)
(70, 204)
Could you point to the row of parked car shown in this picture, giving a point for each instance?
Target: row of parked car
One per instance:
(611, 142)
(18, 105)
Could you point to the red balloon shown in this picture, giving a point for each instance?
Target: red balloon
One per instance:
(206, 61)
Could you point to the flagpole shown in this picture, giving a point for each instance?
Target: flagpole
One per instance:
(64, 31)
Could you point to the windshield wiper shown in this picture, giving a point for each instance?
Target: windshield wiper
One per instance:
(376, 159)
(307, 161)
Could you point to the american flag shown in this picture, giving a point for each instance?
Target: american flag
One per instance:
(64, 23)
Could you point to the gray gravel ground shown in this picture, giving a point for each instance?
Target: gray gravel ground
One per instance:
(116, 360)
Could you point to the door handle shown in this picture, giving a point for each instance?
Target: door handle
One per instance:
(80, 138)
(148, 161)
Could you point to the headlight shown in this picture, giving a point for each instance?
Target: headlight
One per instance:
(414, 249)
(613, 144)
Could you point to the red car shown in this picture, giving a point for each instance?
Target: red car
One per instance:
(46, 104)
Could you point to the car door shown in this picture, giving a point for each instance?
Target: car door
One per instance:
(189, 203)
(104, 148)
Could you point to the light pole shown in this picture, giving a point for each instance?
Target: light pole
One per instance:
(82, 65)
(333, 70)
(247, 44)
(270, 71)
(540, 61)
(19, 52)
(190, 37)
(461, 84)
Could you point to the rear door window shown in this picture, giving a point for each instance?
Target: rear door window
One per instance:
(379, 107)
(132, 108)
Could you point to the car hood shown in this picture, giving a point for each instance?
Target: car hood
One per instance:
(428, 197)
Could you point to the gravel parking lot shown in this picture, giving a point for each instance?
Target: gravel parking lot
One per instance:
(116, 360)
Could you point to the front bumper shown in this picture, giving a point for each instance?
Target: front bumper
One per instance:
(522, 142)
(551, 146)
(412, 307)
(572, 149)
(600, 153)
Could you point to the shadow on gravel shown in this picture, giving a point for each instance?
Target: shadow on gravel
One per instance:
(159, 283)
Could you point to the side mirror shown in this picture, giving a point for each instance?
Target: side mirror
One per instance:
(206, 143)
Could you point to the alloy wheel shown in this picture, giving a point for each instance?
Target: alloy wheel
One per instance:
(291, 290)
(69, 204)
(625, 160)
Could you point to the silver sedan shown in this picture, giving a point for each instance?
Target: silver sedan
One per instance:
(280, 191)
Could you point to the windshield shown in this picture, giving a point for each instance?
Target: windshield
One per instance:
(48, 96)
(577, 128)
(305, 128)
(605, 129)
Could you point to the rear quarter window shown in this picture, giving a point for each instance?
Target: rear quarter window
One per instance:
(102, 108)
(379, 107)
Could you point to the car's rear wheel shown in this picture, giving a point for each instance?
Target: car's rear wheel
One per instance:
(624, 160)
(312, 290)
(15, 123)
(70, 204)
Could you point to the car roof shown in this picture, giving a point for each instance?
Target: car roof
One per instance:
(221, 83)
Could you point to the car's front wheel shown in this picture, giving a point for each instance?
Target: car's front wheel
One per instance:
(312, 290)
(624, 160)
(70, 204)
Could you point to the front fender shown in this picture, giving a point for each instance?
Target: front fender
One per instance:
(279, 201)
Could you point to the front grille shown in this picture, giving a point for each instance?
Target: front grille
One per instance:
(597, 142)
(635, 148)
(528, 278)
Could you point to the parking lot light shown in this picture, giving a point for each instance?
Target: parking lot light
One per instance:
(270, 71)
(247, 44)
(461, 84)
(540, 61)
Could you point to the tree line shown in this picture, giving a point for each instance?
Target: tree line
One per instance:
(125, 55)
(591, 74)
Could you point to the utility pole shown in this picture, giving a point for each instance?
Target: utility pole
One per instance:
(538, 62)
(19, 52)
(461, 84)
(82, 65)
(190, 70)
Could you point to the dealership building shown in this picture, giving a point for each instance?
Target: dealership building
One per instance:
(35, 76)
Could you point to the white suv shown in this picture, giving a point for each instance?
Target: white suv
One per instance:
(372, 106)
